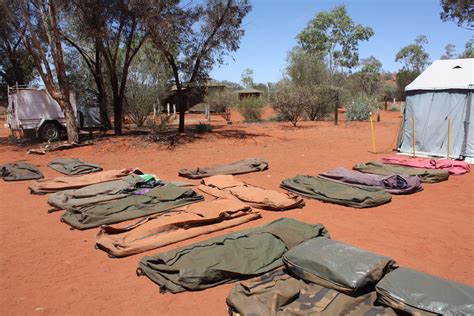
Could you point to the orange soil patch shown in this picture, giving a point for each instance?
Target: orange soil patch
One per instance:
(46, 267)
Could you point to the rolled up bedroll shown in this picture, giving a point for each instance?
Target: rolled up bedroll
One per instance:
(238, 167)
(426, 175)
(417, 293)
(227, 258)
(73, 166)
(278, 293)
(336, 265)
(18, 171)
(227, 186)
(94, 193)
(51, 185)
(176, 225)
(334, 192)
(159, 199)
(394, 184)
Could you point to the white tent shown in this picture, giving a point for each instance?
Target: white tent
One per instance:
(443, 91)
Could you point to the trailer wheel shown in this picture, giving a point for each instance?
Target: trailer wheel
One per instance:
(49, 132)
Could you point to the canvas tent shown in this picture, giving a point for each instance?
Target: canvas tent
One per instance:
(443, 91)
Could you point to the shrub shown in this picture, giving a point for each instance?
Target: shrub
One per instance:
(326, 99)
(360, 109)
(393, 108)
(221, 102)
(203, 128)
(251, 108)
(292, 101)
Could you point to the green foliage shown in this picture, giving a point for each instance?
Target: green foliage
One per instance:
(369, 80)
(291, 102)
(334, 35)
(221, 102)
(468, 49)
(448, 51)
(278, 118)
(203, 128)
(459, 11)
(404, 78)
(328, 98)
(247, 78)
(414, 57)
(360, 109)
(250, 108)
(389, 91)
(394, 108)
(304, 68)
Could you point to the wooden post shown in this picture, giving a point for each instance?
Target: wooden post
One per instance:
(174, 111)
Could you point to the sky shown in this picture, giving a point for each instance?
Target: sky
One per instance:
(272, 26)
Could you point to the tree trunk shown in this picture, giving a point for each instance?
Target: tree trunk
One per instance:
(182, 110)
(99, 80)
(118, 103)
(71, 124)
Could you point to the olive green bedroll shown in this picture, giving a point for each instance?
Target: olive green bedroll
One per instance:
(95, 193)
(276, 293)
(417, 293)
(157, 200)
(237, 167)
(18, 171)
(73, 166)
(334, 192)
(426, 175)
(338, 266)
(227, 258)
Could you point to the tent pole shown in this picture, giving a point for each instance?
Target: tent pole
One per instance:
(373, 134)
(414, 136)
(449, 136)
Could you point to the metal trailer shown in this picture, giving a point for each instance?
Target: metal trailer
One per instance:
(34, 111)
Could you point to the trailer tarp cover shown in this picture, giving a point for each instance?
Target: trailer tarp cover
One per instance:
(227, 258)
(334, 192)
(180, 224)
(238, 167)
(277, 293)
(336, 265)
(73, 166)
(17, 171)
(415, 292)
(426, 175)
(156, 200)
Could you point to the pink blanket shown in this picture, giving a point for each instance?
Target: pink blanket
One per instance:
(454, 167)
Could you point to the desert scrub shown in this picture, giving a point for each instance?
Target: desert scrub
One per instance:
(360, 109)
(250, 108)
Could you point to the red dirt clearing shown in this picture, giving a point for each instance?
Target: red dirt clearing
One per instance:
(47, 268)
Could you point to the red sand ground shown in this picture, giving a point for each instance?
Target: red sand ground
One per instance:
(47, 268)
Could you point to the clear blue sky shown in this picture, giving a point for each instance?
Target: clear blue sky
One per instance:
(272, 25)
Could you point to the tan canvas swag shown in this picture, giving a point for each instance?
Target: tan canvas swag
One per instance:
(50, 185)
(174, 226)
(226, 186)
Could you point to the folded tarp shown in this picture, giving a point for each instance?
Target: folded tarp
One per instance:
(73, 166)
(426, 175)
(334, 192)
(454, 167)
(95, 193)
(417, 293)
(163, 229)
(277, 293)
(51, 185)
(157, 200)
(17, 171)
(227, 258)
(229, 187)
(395, 184)
(337, 266)
(238, 167)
